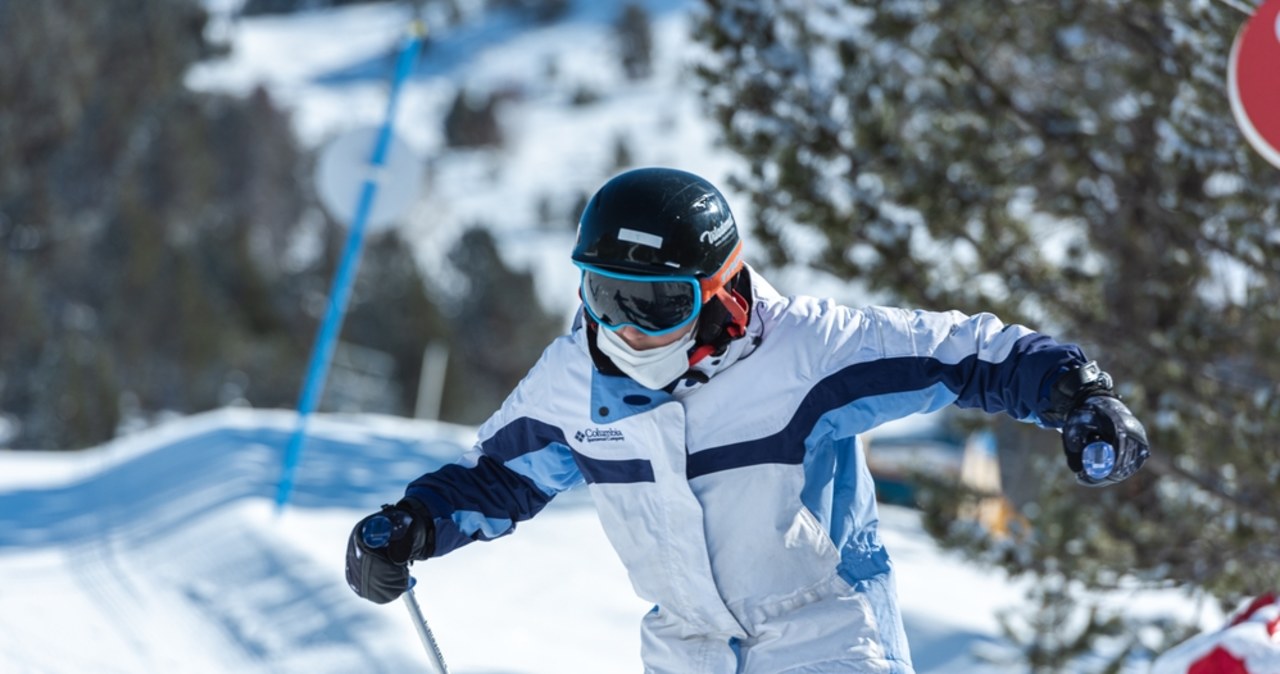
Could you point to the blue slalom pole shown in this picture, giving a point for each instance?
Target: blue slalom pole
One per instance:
(340, 293)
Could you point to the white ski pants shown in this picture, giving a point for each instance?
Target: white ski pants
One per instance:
(842, 630)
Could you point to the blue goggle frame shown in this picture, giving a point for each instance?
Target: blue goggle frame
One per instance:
(616, 300)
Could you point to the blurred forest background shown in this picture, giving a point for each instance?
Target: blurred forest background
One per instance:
(1072, 165)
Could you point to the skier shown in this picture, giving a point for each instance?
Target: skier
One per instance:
(715, 423)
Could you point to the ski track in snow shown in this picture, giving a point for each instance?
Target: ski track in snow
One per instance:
(171, 541)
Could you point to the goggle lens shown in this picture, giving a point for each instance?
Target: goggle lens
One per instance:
(654, 305)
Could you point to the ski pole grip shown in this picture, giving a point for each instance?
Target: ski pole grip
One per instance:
(376, 533)
(1099, 459)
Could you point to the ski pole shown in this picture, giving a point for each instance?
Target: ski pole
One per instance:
(377, 533)
(424, 630)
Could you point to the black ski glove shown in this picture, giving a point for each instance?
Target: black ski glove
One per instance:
(1104, 442)
(381, 547)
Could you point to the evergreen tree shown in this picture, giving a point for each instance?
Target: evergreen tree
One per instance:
(391, 312)
(540, 11)
(500, 329)
(1070, 165)
(472, 121)
(635, 41)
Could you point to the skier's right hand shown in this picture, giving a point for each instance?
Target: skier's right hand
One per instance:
(381, 547)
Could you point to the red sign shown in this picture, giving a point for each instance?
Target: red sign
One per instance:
(1253, 80)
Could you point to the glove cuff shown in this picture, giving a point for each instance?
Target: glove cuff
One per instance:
(1072, 388)
(424, 530)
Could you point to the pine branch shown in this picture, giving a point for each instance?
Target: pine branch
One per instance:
(1161, 464)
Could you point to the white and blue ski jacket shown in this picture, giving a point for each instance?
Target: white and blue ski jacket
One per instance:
(739, 500)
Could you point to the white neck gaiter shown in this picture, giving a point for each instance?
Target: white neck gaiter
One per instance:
(651, 368)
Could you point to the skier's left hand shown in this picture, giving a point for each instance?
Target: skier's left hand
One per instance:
(379, 571)
(1103, 418)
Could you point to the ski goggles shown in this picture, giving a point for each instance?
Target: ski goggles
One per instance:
(654, 305)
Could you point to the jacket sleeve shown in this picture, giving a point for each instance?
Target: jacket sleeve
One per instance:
(519, 464)
(895, 362)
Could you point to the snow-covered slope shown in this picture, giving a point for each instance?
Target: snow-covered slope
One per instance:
(162, 552)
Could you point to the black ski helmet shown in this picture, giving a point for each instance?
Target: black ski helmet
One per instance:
(658, 221)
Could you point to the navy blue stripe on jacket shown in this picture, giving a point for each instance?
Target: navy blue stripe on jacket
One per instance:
(889, 388)
(520, 469)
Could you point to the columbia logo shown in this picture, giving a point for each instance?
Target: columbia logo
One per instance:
(599, 435)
